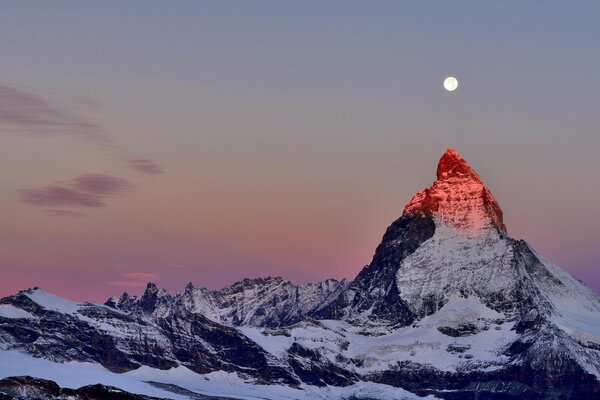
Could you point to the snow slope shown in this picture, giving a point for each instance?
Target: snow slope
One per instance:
(74, 374)
(452, 263)
(12, 312)
(77, 374)
(351, 347)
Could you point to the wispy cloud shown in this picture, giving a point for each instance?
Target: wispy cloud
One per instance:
(135, 279)
(46, 196)
(100, 184)
(64, 213)
(89, 190)
(30, 113)
(145, 166)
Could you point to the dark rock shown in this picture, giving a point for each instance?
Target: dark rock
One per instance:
(314, 369)
(28, 388)
(375, 286)
(515, 382)
(457, 348)
(460, 330)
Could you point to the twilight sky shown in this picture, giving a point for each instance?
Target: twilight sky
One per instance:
(212, 141)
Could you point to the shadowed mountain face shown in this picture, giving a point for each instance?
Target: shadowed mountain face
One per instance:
(450, 306)
(374, 293)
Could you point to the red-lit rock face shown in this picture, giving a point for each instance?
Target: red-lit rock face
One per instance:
(458, 198)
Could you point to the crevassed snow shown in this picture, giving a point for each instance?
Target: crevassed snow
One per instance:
(10, 311)
(459, 311)
(77, 374)
(425, 345)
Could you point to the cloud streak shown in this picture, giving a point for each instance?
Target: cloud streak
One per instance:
(135, 279)
(100, 184)
(32, 114)
(145, 166)
(89, 191)
(64, 213)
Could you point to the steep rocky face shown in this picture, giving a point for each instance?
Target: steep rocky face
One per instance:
(268, 302)
(453, 226)
(374, 294)
(451, 264)
(154, 298)
(458, 198)
(274, 302)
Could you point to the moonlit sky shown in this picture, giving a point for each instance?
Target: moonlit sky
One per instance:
(212, 141)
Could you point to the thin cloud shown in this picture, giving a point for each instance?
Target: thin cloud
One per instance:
(145, 166)
(65, 213)
(100, 184)
(33, 114)
(135, 279)
(89, 190)
(147, 276)
(48, 196)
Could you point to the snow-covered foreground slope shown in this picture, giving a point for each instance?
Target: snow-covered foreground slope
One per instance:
(222, 384)
(74, 374)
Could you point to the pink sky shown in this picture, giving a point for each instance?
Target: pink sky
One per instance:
(209, 144)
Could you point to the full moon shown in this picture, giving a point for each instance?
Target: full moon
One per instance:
(450, 83)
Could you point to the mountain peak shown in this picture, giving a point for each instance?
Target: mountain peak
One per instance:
(453, 165)
(458, 198)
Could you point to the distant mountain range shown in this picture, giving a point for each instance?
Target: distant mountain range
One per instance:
(450, 307)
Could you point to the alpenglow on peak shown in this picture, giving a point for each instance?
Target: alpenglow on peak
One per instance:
(452, 165)
(458, 198)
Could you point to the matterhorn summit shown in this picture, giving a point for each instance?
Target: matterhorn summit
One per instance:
(451, 240)
(458, 198)
(450, 307)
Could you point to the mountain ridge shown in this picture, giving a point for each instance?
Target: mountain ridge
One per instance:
(229, 305)
(450, 306)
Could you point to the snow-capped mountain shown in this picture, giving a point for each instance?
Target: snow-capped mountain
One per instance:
(450, 307)
(267, 302)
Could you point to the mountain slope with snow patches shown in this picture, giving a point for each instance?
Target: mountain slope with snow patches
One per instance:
(268, 302)
(450, 307)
